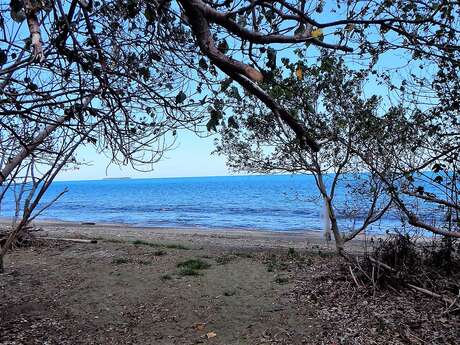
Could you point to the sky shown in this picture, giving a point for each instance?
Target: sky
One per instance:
(191, 157)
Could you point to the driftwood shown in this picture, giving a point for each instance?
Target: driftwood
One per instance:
(77, 240)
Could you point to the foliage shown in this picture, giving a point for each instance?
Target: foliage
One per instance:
(328, 99)
(124, 76)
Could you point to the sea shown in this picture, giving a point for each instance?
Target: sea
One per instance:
(282, 203)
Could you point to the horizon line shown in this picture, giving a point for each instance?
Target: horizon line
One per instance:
(178, 177)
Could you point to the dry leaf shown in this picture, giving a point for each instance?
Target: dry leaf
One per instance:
(317, 33)
(211, 335)
(349, 27)
(199, 326)
(299, 72)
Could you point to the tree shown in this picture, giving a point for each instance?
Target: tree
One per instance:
(142, 69)
(129, 40)
(327, 98)
(30, 181)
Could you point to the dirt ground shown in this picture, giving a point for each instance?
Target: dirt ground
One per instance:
(118, 291)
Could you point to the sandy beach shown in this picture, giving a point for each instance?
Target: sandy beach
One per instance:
(189, 286)
(194, 237)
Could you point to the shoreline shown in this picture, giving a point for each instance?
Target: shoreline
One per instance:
(6, 220)
(223, 238)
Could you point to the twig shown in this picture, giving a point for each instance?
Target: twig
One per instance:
(432, 294)
(354, 278)
(77, 240)
(448, 310)
(379, 263)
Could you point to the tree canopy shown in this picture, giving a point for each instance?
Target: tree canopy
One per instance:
(125, 75)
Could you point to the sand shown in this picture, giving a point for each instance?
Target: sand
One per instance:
(259, 288)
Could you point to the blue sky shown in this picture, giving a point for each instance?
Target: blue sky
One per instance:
(192, 157)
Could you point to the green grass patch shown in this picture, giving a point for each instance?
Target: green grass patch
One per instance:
(190, 267)
(244, 255)
(291, 252)
(194, 264)
(176, 246)
(120, 261)
(187, 271)
(225, 259)
(281, 280)
(145, 243)
(275, 263)
(109, 240)
(159, 245)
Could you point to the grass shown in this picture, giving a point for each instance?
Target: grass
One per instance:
(145, 243)
(225, 259)
(190, 267)
(187, 271)
(109, 240)
(291, 252)
(176, 246)
(120, 261)
(159, 245)
(281, 280)
(275, 263)
(244, 255)
(194, 264)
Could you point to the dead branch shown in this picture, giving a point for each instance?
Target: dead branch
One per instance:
(76, 240)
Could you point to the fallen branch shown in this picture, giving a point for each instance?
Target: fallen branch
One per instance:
(354, 278)
(381, 264)
(432, 294)
(77, 240)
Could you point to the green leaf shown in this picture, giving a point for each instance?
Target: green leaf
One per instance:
(181, 97)
(3, 57)
(225, 84)
(310, 108)
(145, 73)
(216, 116)
(149, 13)
(271, 56)
(235, 93)
(203, 64)
(232, 123)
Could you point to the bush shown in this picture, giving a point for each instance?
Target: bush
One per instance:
(399, 260)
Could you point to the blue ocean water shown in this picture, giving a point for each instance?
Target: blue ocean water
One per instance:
(277, 203)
